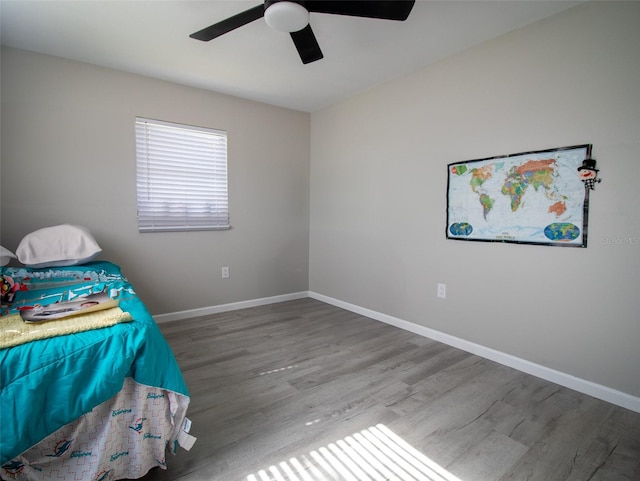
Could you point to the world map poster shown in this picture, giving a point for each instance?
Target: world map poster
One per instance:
(532, 198)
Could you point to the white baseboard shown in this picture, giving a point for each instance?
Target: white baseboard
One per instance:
(598, 391)
(233, 306)
(567, 380)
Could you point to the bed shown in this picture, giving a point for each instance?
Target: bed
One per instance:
(95, 396)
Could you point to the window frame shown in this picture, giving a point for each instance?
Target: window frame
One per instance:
(181, 177)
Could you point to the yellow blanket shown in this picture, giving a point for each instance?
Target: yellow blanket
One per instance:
(14, 331)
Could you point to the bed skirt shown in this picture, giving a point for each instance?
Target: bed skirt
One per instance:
(122, 438)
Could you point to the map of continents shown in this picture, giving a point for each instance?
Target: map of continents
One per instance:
(535, 197)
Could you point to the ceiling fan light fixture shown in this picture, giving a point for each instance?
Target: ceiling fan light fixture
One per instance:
(286, 16)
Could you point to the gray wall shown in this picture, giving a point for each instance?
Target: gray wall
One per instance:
(68, 156)
(378, 195)
(377, 184)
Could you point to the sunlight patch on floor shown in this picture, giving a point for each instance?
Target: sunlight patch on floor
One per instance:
(277, 370)
(374, 454)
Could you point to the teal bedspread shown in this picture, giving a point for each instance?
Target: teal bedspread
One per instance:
(48, 383)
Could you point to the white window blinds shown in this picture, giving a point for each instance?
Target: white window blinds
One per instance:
(181, 177)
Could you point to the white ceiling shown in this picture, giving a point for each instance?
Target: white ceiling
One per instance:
(151, 37)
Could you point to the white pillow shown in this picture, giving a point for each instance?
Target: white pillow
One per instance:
(60, 245)
(5, 256)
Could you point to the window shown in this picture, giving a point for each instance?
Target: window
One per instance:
(181, 177)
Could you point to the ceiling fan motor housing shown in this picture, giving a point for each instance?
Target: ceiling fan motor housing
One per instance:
(285, 15)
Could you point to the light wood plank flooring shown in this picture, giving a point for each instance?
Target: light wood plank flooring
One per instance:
(304, 391)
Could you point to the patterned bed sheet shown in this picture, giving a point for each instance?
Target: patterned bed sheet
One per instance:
(52, 388)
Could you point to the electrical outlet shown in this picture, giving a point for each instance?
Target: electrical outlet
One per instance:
(225, 272)
(442, 291)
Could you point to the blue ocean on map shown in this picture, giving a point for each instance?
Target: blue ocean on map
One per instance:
(562, 231)
(461, 229)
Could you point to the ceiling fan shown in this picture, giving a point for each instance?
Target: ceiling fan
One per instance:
(293, 17)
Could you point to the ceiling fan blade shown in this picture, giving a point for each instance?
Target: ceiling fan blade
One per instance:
(229, 24)
(387, 10)
(307, 45)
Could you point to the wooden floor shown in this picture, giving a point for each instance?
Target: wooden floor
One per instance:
(305, 391)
